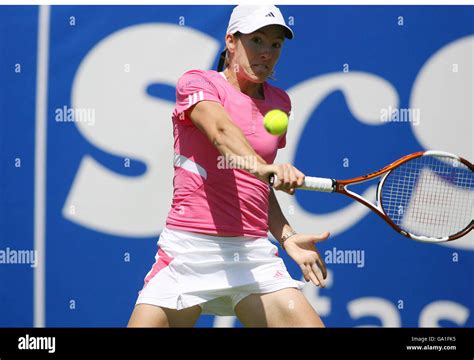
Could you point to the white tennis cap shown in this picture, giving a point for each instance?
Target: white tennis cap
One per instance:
(249, 18)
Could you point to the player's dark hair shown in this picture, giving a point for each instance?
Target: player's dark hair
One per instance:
(224, 56)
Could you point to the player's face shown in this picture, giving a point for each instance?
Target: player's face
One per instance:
(257, 53)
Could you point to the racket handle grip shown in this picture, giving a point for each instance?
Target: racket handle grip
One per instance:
(319, 184)
(312, 183)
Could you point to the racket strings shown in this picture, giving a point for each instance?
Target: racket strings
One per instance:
(430, 196)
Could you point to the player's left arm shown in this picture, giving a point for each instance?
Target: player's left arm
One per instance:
(300, 247)
(277, 222)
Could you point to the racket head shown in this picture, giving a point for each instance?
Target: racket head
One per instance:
(429, 196)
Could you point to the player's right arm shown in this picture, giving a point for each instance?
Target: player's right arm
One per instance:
(213, 121)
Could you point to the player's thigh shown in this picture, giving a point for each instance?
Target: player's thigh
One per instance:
(283, 308)
(145, 315)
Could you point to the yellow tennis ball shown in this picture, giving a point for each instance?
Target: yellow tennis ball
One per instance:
(275, 122)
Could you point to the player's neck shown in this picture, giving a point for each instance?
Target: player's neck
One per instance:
(254, 90)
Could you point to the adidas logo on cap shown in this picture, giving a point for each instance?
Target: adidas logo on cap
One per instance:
(270, 14)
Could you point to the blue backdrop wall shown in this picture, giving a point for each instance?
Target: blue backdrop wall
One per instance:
(86, 152)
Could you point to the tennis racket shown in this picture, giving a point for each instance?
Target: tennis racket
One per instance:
(426, 196)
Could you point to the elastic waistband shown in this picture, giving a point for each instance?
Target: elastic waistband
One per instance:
(205, 237)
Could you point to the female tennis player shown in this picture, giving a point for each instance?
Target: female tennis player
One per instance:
(214, 256)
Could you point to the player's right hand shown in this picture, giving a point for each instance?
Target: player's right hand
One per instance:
(288, 177)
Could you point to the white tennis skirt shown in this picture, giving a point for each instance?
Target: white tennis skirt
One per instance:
(213, 272)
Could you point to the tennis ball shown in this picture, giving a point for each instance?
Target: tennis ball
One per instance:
(275, 122)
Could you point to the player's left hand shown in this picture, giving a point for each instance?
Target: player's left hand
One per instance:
(301, 248)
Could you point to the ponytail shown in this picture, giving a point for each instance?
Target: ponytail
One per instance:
(222, 63)
(224, 57)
